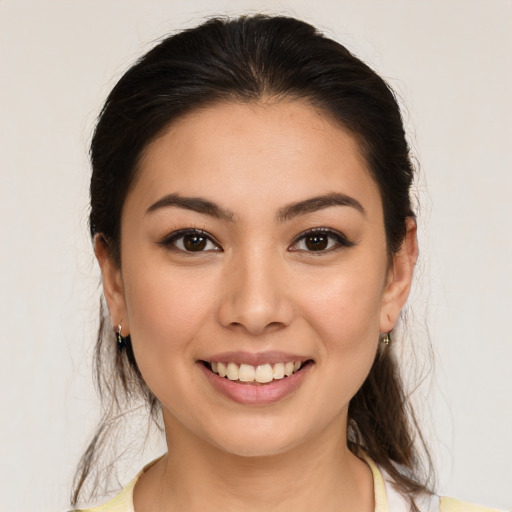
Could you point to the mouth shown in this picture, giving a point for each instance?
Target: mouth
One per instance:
(262, 374)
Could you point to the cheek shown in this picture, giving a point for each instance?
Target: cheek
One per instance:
(346, 319)
(343, 310)
(166, 309)
(343, 307)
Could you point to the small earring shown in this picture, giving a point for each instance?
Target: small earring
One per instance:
(121, 340)
(386, 340)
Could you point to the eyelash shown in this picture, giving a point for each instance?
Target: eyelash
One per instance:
(170, 241)
(340, 240)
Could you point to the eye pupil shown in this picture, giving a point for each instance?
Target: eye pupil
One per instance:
(194, 242)
(317, 242)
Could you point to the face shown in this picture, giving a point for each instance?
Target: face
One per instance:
(255, 280)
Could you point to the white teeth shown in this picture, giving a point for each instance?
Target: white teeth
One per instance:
(288, 369)
(222, 369)
(262, 374)
(246, 373)
(278, 370)
(232, 372)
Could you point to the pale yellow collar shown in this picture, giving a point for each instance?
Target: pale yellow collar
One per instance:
(379, 487)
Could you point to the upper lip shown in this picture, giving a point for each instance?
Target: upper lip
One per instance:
(255, 358)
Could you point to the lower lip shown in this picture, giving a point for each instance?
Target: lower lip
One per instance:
(251, 394)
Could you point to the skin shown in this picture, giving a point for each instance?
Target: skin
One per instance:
(256, 287)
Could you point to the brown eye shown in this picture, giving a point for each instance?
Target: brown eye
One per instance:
(320, 240)
(317, 242)
(194, 242)
(191, 240)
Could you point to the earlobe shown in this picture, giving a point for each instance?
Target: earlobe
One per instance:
(400, 278)
(112, 284)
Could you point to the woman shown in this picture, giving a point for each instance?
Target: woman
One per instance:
(251, 216)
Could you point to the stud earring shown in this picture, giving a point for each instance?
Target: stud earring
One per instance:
(386, 340)
(121, 340)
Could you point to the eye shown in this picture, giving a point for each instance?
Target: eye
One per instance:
(191, 240)
(320, 240)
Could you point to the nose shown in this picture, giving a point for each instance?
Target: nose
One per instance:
(255, 296)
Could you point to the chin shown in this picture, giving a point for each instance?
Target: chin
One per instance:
(257, 438)
(255, 446)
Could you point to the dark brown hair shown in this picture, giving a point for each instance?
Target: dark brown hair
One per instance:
(249, 59)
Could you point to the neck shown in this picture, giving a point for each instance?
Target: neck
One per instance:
(319, 475)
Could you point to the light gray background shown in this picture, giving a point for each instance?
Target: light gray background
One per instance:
(450, 62)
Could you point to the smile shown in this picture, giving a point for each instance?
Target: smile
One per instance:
(260, 374)
(256, 379)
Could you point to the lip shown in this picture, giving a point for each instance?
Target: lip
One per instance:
(256, 394)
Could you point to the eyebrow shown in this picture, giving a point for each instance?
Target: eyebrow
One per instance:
(196, 204)
(205, 207)
(318, 203)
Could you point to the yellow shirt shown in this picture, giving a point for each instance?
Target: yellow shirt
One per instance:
(387, 499)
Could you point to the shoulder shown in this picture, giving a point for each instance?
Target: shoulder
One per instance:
(123, 502)
(453, 505)
(389, 499)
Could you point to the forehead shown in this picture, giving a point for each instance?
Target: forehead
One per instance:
(254, 152)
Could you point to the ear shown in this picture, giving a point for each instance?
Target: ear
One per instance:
(399, 278)
(112, 284)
